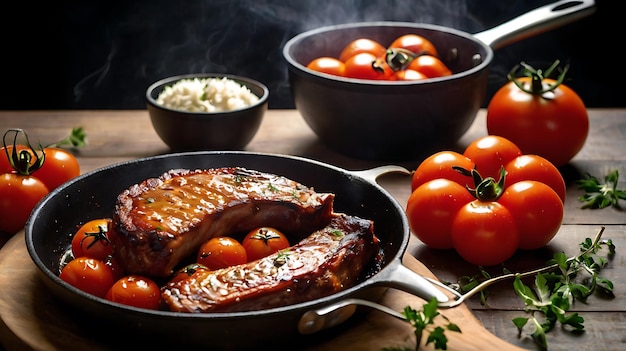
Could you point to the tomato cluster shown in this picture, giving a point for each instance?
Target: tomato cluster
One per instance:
(92, 266)
(487, 202)
(408, 57)
(27, 175)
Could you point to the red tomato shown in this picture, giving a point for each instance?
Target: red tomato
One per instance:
(367, 66)
(408, 74)
(439, 165)
(553, 125)
(485, 233)
(430, 66)
(537, 210)
(534, 167)
(328, 65)
(264, 241)
(59, 165)
(359, 46)
(89, 275)
(19, 194)
(414, 43)
(221, 252)
(136, 291)
(431, 209)
(92, 240)
(490, 154)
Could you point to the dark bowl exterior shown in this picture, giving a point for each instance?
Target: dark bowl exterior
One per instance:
(92, 195)
(196, 131)
(383, 120)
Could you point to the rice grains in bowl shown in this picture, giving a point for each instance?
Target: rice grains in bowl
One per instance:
(206, 111)
(206, 95)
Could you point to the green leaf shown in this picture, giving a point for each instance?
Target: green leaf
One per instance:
(601, 194)
(438, 338)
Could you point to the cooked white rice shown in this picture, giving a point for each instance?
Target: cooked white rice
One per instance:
(206, 95)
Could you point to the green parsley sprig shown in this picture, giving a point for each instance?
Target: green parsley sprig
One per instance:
(600, 195)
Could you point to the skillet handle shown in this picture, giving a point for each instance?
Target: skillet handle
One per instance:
(373, 173)
(536, 21)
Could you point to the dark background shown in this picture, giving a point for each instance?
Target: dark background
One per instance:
(104, 54)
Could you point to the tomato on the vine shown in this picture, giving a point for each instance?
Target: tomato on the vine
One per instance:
(431, 208)
(359, 46)
(18, 196)
(536, 209)
(92, 239)
(137, 291)
(484, 233)
(367, 66)
(221, 252)
(414, 43)
(430, 66)
(264, 241)
(535, 167)
(540, 115)
(328, 65)
(439, 165)
(491, 153)
(89, 275)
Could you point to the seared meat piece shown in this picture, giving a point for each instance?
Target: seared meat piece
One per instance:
(161, 221)
(328, 261)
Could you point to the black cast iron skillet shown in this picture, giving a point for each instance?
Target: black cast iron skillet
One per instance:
(92, 195)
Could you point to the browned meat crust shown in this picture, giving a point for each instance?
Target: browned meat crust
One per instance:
(161, 221)
(327, 261)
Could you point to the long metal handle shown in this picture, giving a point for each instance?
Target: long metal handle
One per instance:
(536, 21)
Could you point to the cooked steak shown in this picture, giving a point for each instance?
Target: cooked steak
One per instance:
(329, 260)
(161, 221)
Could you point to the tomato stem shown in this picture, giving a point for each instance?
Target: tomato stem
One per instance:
(22, 161)
(486, 189)
(537, 76)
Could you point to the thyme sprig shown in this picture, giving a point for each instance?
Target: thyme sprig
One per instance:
(601, 195)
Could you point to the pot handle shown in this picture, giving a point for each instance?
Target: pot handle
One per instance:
(536, 21)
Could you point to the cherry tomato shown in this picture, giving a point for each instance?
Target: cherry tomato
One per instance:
(553, 125)
(59, 165)
(537, 211)
(439, 165)
(19, 194)
(431, 209)
(359, 46)
(187, 272)
(535, 167)
(328, 65)
(491, 153)
(221, 252)
(367, 66)
(408, 74)
(89, 275)
(264, 241)
(136, 291)
(92, 240)
(414, 43)
(430, 66)
(485, 233)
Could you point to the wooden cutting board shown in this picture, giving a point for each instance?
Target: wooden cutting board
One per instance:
(32, 319)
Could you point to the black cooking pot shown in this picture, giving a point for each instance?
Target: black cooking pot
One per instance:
(405, 120)
(93, 195)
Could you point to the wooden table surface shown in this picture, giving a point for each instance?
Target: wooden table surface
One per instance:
(115, 136)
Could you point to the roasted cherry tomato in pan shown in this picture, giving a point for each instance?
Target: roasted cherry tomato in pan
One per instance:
(221, 252)
(328, 65)
(430, 66)
(367, 66)
(136, 291)
(89, 275)
(263, 242)
(414, 43)
(92, 240)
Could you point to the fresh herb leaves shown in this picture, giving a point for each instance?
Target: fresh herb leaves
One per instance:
(600, 195)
